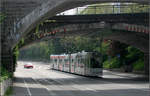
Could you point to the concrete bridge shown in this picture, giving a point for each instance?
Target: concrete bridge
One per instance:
(60, 26)
(23, 16)
(135, 33)
(20, 14)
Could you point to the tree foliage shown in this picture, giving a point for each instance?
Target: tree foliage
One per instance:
(2, 17)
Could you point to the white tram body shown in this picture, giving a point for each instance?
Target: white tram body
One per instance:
(82, 63)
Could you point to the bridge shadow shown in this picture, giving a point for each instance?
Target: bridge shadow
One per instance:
(24, 91)
(62, 91)
(81, 80)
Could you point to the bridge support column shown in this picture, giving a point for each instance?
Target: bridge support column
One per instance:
(146, 63)
(7, 60)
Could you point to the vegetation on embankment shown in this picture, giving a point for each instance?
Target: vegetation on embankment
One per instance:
(4, 74)
(9, 91)
(2, 17)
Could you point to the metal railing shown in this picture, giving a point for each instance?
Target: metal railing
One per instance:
(107, 9)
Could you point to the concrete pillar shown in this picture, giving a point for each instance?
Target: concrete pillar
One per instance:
(7, 60)
(146, 63)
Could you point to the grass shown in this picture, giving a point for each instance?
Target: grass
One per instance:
(9, 91)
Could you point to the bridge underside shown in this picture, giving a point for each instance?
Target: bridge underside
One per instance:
(35, 11)
(23, 16)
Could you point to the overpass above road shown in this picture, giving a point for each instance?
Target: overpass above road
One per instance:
(29, 13)
(60, 26)
(129, 18)
(76, 23)
(23, 16)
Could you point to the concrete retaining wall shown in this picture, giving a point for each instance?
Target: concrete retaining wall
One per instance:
(4, 85)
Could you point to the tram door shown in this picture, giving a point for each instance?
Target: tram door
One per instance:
(96, 62)
(63, 63)
(72, 65)
(78, 64)
(73, 62)
(51, 62)
(55, 63)
(69, 62)
(60, 64)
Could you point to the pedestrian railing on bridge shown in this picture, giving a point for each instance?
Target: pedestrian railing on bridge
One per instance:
(111, 8)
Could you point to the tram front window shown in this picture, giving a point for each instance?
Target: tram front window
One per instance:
(95, 63)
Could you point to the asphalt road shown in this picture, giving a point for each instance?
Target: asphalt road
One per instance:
(41, 81)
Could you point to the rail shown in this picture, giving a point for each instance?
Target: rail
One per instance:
(108, 9)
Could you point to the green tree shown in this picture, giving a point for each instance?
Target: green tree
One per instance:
(2, 17)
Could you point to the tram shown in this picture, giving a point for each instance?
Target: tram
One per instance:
(82, 63)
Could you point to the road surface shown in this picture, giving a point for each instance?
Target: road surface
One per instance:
(41, 81)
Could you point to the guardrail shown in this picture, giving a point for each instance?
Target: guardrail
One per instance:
(108, 9)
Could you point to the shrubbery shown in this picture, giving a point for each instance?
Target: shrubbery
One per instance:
(5, 74)
(133, 57)
(112, 63)
(138, 65)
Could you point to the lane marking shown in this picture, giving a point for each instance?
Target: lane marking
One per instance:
(29, 92)
(75, 86)
(44, 86)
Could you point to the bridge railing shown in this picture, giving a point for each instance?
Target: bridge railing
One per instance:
(108, 9)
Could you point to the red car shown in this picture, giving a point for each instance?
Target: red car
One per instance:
(28, 65)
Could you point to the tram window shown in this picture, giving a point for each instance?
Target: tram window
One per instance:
(55, 60)
(65, 60)
(89, 65)
(60, 60)
(95, 63)
(82, 60)
(79, 61)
